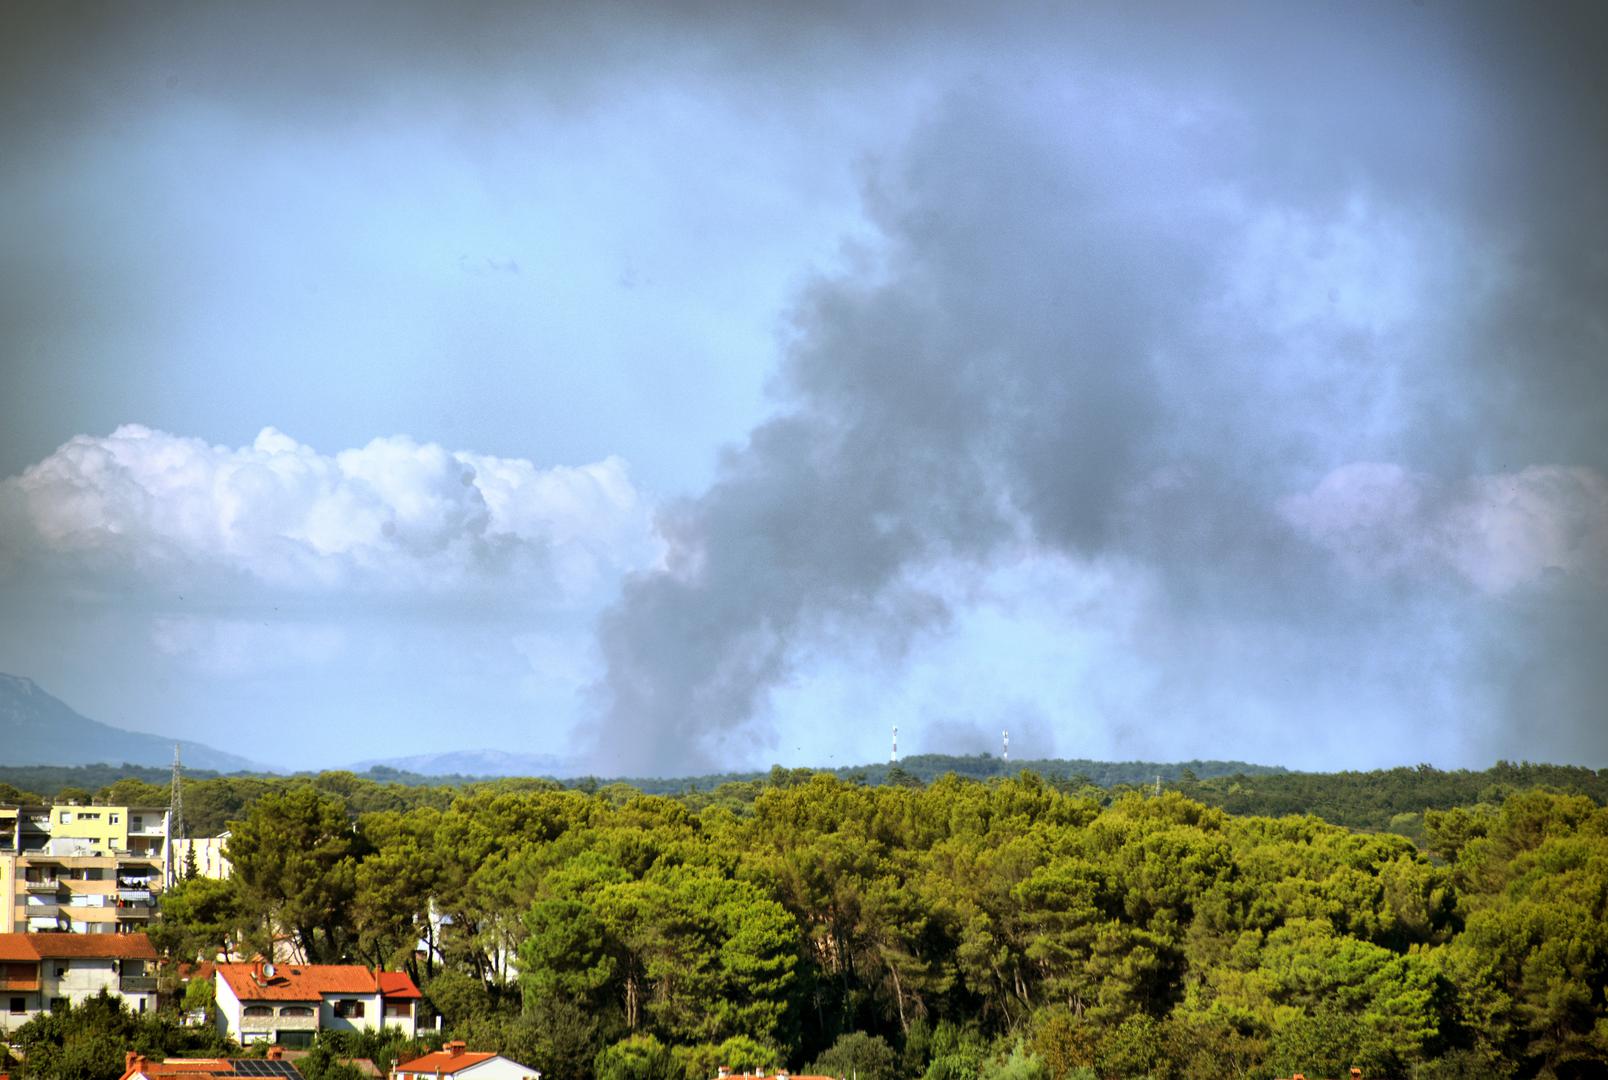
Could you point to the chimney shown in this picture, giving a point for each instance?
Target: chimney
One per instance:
(133, 1061)
(723, 1072)
(1356, 1073)
(276, 1053)
(454, 1048)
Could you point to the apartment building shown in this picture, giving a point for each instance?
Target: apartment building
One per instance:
(205, 853)
(39, 971)
(82, 869)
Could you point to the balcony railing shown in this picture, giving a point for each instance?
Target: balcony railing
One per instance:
(137, 984)
(47, 885)
(127, 912)
(134, 896)
(20, 986)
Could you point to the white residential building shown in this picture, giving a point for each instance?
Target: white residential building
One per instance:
(288, 1003)
(38, 971)
(455, 1061)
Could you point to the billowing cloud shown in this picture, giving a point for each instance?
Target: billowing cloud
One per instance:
(1115, 321)
(394, 517)
(1498, 531)
(1088, 321)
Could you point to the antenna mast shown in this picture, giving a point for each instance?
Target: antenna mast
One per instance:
(1005, 746)
(176, 797)
(893, 758)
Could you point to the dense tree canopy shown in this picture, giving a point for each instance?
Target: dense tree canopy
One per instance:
(1015, 929)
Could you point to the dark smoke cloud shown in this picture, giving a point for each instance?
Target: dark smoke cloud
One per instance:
(1058, 352)
(1140, 280)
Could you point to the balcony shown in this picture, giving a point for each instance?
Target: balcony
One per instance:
(40, 910)
(127, 912)
(19, 985)
(137, 984)
(49, 885)
(283, 1022)
(133, 896)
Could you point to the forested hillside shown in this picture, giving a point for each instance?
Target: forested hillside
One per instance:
(1380, 800)
(1007, 930)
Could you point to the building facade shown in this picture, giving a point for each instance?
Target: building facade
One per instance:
(207, 854)
(287, 1004)
(82, 869)
(41, 971)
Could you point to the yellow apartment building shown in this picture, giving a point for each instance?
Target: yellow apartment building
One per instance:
(83, 869)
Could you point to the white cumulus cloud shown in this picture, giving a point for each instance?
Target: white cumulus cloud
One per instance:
(1498, 531)
(394, 516)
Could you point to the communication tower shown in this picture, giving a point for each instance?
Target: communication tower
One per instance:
(175, 812)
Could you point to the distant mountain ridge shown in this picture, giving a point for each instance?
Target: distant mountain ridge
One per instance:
(483, 762)
(39, 729)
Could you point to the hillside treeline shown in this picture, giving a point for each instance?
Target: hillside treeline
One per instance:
(1379, 800)
(955, 931)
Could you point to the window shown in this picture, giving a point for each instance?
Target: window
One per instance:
(296, 1010)
(115, 818)
(397, 1008)
(66, 816)
(57, 1004)
(61, 971)
(19, 1005)
(257, 1010)
(349, 1009)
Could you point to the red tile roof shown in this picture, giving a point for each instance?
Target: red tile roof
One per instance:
(16, 947)
(189, 1068)
(183, 1069)
(308, 982)
(26, 947)
(443, 1062)
(396, 984)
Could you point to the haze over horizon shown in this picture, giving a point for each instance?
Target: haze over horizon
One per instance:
(681, 391)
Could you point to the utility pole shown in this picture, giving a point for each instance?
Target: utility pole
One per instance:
(1005, 746)
(893, 758)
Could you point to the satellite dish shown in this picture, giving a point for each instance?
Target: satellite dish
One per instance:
(268, 970)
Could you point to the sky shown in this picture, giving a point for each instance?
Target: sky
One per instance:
(681, 388)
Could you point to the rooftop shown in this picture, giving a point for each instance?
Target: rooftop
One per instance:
(28, 947)
(309, 982)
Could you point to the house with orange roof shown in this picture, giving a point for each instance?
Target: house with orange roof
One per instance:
(39, 971)
(288, 1003)
(455, 1060)
(137, 1066)
(279, 1064)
